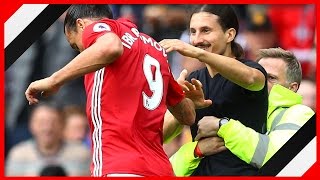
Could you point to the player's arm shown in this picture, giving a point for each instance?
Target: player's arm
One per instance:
(180, 114)
(184, 111)
(104, 51)
(171, 127)
(230, 68)
(239, 139)
(243, 141)
(255, 148)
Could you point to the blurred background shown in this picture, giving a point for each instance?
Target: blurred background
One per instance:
(52, 139)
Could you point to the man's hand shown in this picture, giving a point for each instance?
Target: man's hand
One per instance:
(193, 90)
(45, 86)
(208, 126)
(182, 77)
(183, 48)
(211, 145)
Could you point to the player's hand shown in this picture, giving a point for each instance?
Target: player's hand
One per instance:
(44, 87)
(194, 92)
(208, 126)
(211, 145)
(183, 48)
(182, 78)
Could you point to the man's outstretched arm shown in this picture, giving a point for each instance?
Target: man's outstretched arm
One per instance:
(104, 51)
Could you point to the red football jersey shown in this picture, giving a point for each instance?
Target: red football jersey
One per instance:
(126, 103)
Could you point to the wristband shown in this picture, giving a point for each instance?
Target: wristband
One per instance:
(197, 152)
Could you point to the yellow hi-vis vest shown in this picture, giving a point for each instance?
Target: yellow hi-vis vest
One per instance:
(286, 116)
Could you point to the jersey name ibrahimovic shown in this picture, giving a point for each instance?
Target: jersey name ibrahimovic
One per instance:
(128, 40)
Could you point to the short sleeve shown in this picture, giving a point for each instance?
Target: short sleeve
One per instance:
(256, 66)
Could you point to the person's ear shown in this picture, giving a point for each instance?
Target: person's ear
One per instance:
(80, 24)
(230, 34)
(294, 86)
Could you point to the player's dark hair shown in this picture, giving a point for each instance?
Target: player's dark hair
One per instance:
(94, 11)
(227, 19)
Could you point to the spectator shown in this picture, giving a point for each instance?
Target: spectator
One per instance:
(76, 128)
(308, 91)
(47, 147)
(49, 52)
(258, 32)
